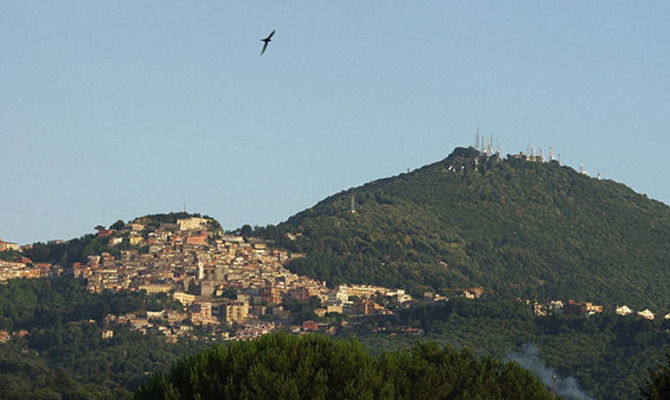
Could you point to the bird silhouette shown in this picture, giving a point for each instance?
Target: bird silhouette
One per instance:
(266, 41)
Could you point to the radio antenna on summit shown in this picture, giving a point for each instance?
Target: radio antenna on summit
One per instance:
(487, 145)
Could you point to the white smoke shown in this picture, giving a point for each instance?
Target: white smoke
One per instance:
(529, 359)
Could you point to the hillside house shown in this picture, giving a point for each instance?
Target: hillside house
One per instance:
(135, 227)
(310, 326)
(623, 310)
(368, 307)
(582, 308)
(153, 288)
(184, 298)
(6, 246)
(235, 312)
(646, 314)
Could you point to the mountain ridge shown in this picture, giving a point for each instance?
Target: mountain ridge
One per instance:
(514, 225)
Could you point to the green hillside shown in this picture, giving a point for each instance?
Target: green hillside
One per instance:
(516, 227)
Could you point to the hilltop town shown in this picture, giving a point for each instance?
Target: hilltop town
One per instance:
(237, 287)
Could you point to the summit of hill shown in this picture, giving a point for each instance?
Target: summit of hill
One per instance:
(515, 225)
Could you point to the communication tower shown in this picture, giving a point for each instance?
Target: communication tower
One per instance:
(486, 145)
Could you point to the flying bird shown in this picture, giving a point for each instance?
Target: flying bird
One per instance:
(266, 41)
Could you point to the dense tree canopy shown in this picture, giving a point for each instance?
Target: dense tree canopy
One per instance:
(279, 366)
(71, 251)
(10, 255)
(658, 383)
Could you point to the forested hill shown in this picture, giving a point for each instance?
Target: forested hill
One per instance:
(511, 225)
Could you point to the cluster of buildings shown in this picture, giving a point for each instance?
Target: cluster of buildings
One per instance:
(6, 335)
(646, 313)
(571, 307)
(7, 246)
(21, 267)
(585, 308)
(18, 269)
(235, 284)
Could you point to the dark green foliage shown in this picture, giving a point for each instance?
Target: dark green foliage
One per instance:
(10, 255)
(279, 366)
(302, 310)
(154, 220)
(246, 230)
(63, 355)
(71, 251)
(24, 375)
(31, 303)
(516, 227)
(213, 225)
(118, 225)
(432, 315)
(658, 383)
(229, 292)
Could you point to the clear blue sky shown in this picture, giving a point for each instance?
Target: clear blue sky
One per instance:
(118, 109)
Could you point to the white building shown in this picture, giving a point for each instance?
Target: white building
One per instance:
(646, 314)
(623, 310)
(192, 224)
